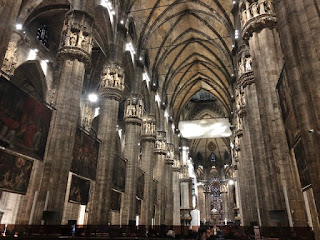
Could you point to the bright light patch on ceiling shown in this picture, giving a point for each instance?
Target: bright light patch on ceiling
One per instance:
(205, 128)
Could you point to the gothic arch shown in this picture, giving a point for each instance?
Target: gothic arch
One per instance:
(30, 77)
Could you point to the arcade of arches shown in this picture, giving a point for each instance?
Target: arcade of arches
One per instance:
(93, 94)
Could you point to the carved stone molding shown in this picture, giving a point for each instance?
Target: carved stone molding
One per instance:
(236, 154)
(10, 58)
(246, 79)
(238, 131)
(112, 81)
(160, 147)
(170, 151)
(148, 128)
(169, 161)
(76, 37)
(237, 143)
(256, 16)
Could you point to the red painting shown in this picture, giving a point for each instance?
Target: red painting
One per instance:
(85, 155)
(24, 121)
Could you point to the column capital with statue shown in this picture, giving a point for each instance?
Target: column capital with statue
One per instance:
(256, 16)
(148, 128)
(77, 36)
(112, 81)
(134, 108)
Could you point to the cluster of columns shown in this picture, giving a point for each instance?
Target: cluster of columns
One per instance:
(50, 181)
(266, 178)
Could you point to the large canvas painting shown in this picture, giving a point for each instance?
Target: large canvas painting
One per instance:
(115, 201)
(140, 183)
(119, 173)
(24, 121)
(301, 164)
(85, 155)
(288, 115)
(15, 173)
(79, 190)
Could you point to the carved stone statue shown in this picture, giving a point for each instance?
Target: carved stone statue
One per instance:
(244, 17)
(243, 100)
(248, 64)
(73, 39)
(270, 6)
(262, 8)
(255, 10)
(84, 43)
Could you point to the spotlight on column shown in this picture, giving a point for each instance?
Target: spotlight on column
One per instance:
(93, 97)
(231, 182)
(19, 26)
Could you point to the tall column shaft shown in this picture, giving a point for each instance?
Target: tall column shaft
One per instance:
(147, 145)
(244, 144)
(207, 201)
(298, 24)
(201, 203)
(159, 174)
(169, 184)
(133, 114)
(176, 191)
(265, 51)
(111, 88)
(74, 52)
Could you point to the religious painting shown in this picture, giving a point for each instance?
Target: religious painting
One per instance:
(79, 190)
(288, 116)
(15, 173)
(115, 201)
(119, 173)
(85, 155)
(138, 207)
(302, 165)
(140, 183)
(24, 121)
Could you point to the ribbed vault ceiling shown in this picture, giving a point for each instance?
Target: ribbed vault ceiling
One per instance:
(189, 43)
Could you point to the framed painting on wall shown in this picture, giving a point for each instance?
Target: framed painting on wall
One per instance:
(79, 190)
(85, 155)
(15, 172)
(24, 121)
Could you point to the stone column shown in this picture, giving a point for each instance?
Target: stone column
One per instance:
(110, 91)
(260, 32)
(207, 199)
(148, 134)
(133, 114)
(158, 171)
(169, 161)
(231, 201)
(74, 53)
(8, 14)
(225, 200)
(185, 186)
(176, 190)
(299, 28)
(243, 144)
(201, 203)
